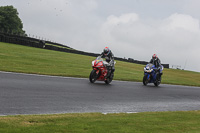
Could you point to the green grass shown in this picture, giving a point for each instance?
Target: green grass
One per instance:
(150, 122)
(17, 58)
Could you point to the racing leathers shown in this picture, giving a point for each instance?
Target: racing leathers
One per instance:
(157, 64)
(110, 59)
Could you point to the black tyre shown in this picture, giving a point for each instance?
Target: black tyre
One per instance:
(158, 81)
(145, 80)
(109, 80)
(93, 76)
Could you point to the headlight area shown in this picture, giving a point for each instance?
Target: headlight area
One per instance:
(148, 71)
(92, 63)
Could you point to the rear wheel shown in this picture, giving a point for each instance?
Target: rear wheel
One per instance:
(93, 76)
(109, 80)
(145, 80)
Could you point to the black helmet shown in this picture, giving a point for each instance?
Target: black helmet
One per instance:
(106, 51)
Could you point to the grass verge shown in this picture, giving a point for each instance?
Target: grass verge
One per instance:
(157, 122)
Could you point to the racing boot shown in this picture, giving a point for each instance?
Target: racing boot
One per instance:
(108, 74)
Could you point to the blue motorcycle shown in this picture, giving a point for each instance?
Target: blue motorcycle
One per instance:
(152, 74)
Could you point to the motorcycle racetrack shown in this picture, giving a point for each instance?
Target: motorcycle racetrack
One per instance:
(39, 94)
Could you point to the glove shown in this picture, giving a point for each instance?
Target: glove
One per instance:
(108, 64)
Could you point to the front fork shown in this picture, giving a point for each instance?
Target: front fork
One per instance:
(97, 72)
(148, 76)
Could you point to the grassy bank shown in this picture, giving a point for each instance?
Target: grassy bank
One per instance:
(157, 122)
(17, 58)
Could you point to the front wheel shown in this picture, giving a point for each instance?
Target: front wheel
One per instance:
(93, 76)
(109, 80)
(145, 80)
(158, 81)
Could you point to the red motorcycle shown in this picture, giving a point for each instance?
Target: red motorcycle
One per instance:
(100, 71)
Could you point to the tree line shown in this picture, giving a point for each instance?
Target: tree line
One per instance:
(10, 21)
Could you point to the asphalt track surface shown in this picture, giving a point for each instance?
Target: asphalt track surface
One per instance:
(34, 94)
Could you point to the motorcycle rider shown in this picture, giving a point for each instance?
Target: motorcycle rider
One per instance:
(156, 61)
(108, 55)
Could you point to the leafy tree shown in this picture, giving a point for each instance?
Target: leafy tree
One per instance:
(9, 20)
